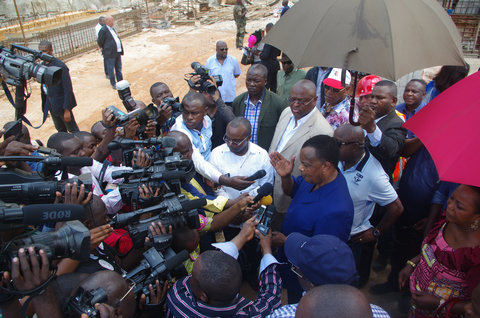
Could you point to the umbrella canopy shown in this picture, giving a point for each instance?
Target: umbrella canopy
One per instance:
(448, 127)
(389, 38)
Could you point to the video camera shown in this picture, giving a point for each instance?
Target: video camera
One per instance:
(17, 68)
(203, 85)
(83, 302)
(174, 210)
(72, 240)
(155, 265)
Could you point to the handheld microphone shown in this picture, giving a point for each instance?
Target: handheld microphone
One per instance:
(257, 175)
(263, 191)
(36, 214)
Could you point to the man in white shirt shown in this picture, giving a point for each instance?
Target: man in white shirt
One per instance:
(226, 65)
(297, 123)
(112, 50)
(368, 185)
(239, 156)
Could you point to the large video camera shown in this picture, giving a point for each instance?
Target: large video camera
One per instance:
(155, 265)
(203, 85)
(71, 240)
(17, 186)
(83, 302)
(174, 210)
(17, 68)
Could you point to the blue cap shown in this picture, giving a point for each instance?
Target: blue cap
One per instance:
(323, 259)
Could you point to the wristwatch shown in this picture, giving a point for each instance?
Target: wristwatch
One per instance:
(376, 232)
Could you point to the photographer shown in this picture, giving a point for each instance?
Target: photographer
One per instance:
(217, 110)
(166, 115)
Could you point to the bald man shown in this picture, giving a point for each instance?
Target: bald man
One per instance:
(112, 50)
(334, 301)
(226, 65)
(297, 123)
(368, 185)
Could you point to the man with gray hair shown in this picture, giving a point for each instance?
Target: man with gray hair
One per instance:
(112, 50)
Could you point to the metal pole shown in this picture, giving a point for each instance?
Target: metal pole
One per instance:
(148, 13)
(20, 22)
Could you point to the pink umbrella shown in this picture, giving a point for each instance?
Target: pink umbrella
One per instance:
(449, 127)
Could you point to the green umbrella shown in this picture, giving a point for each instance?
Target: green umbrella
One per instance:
(389, 38)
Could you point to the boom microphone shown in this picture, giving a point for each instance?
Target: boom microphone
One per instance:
(36, 214)
(173, 262)
(257, 175)
(125, 143)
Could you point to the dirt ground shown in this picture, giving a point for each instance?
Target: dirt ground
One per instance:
(150, 56)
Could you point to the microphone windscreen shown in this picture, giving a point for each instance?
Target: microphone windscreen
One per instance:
(35, 214)
(114, 145)
(169, 142)
(77, 161)
(266, 200)
(193, 204)
(265, 189)
(176, 260)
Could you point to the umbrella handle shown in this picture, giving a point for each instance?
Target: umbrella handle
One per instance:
(352, 104)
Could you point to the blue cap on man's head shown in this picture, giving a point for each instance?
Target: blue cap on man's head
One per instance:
(323, 259)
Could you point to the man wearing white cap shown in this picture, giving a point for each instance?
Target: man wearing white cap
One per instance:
(337, 104)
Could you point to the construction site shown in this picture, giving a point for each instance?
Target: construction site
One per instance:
(161, 39)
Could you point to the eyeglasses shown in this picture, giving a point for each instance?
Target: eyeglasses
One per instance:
(346, 143)
(233, 142)
(295, 269)
(299, 101)
(224, 49)
(335, 90)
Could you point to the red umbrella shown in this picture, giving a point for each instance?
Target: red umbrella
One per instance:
(449, 127)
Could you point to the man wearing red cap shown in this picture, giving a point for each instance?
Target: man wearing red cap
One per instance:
(337, 104)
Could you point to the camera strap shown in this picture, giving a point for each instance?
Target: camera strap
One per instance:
(25, 119)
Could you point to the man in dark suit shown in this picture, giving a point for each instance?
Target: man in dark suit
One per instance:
(385, 134)
(112, 50)
(61, 99)
(269, 59)
(260, 106)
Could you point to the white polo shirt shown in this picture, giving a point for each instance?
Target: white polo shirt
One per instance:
(368, 184)
(229, 69)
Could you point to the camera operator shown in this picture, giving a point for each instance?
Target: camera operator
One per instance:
(217, 110)
(196, 124)
(60, 97)
(166, 117)
(28, 273)
(213, 287)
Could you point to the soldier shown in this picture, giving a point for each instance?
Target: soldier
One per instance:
(239, 15)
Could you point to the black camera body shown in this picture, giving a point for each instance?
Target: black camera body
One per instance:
(143, 115)
(71, 240)
(83, 302)
(173, 102)
(203, 85)
(155, 265)
(17, 186)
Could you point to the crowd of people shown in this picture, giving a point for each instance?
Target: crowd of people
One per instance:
(337, 192)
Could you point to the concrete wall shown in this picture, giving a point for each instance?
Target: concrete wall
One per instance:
(27, 7)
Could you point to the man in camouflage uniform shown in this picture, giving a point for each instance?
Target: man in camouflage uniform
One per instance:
(239, 15)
